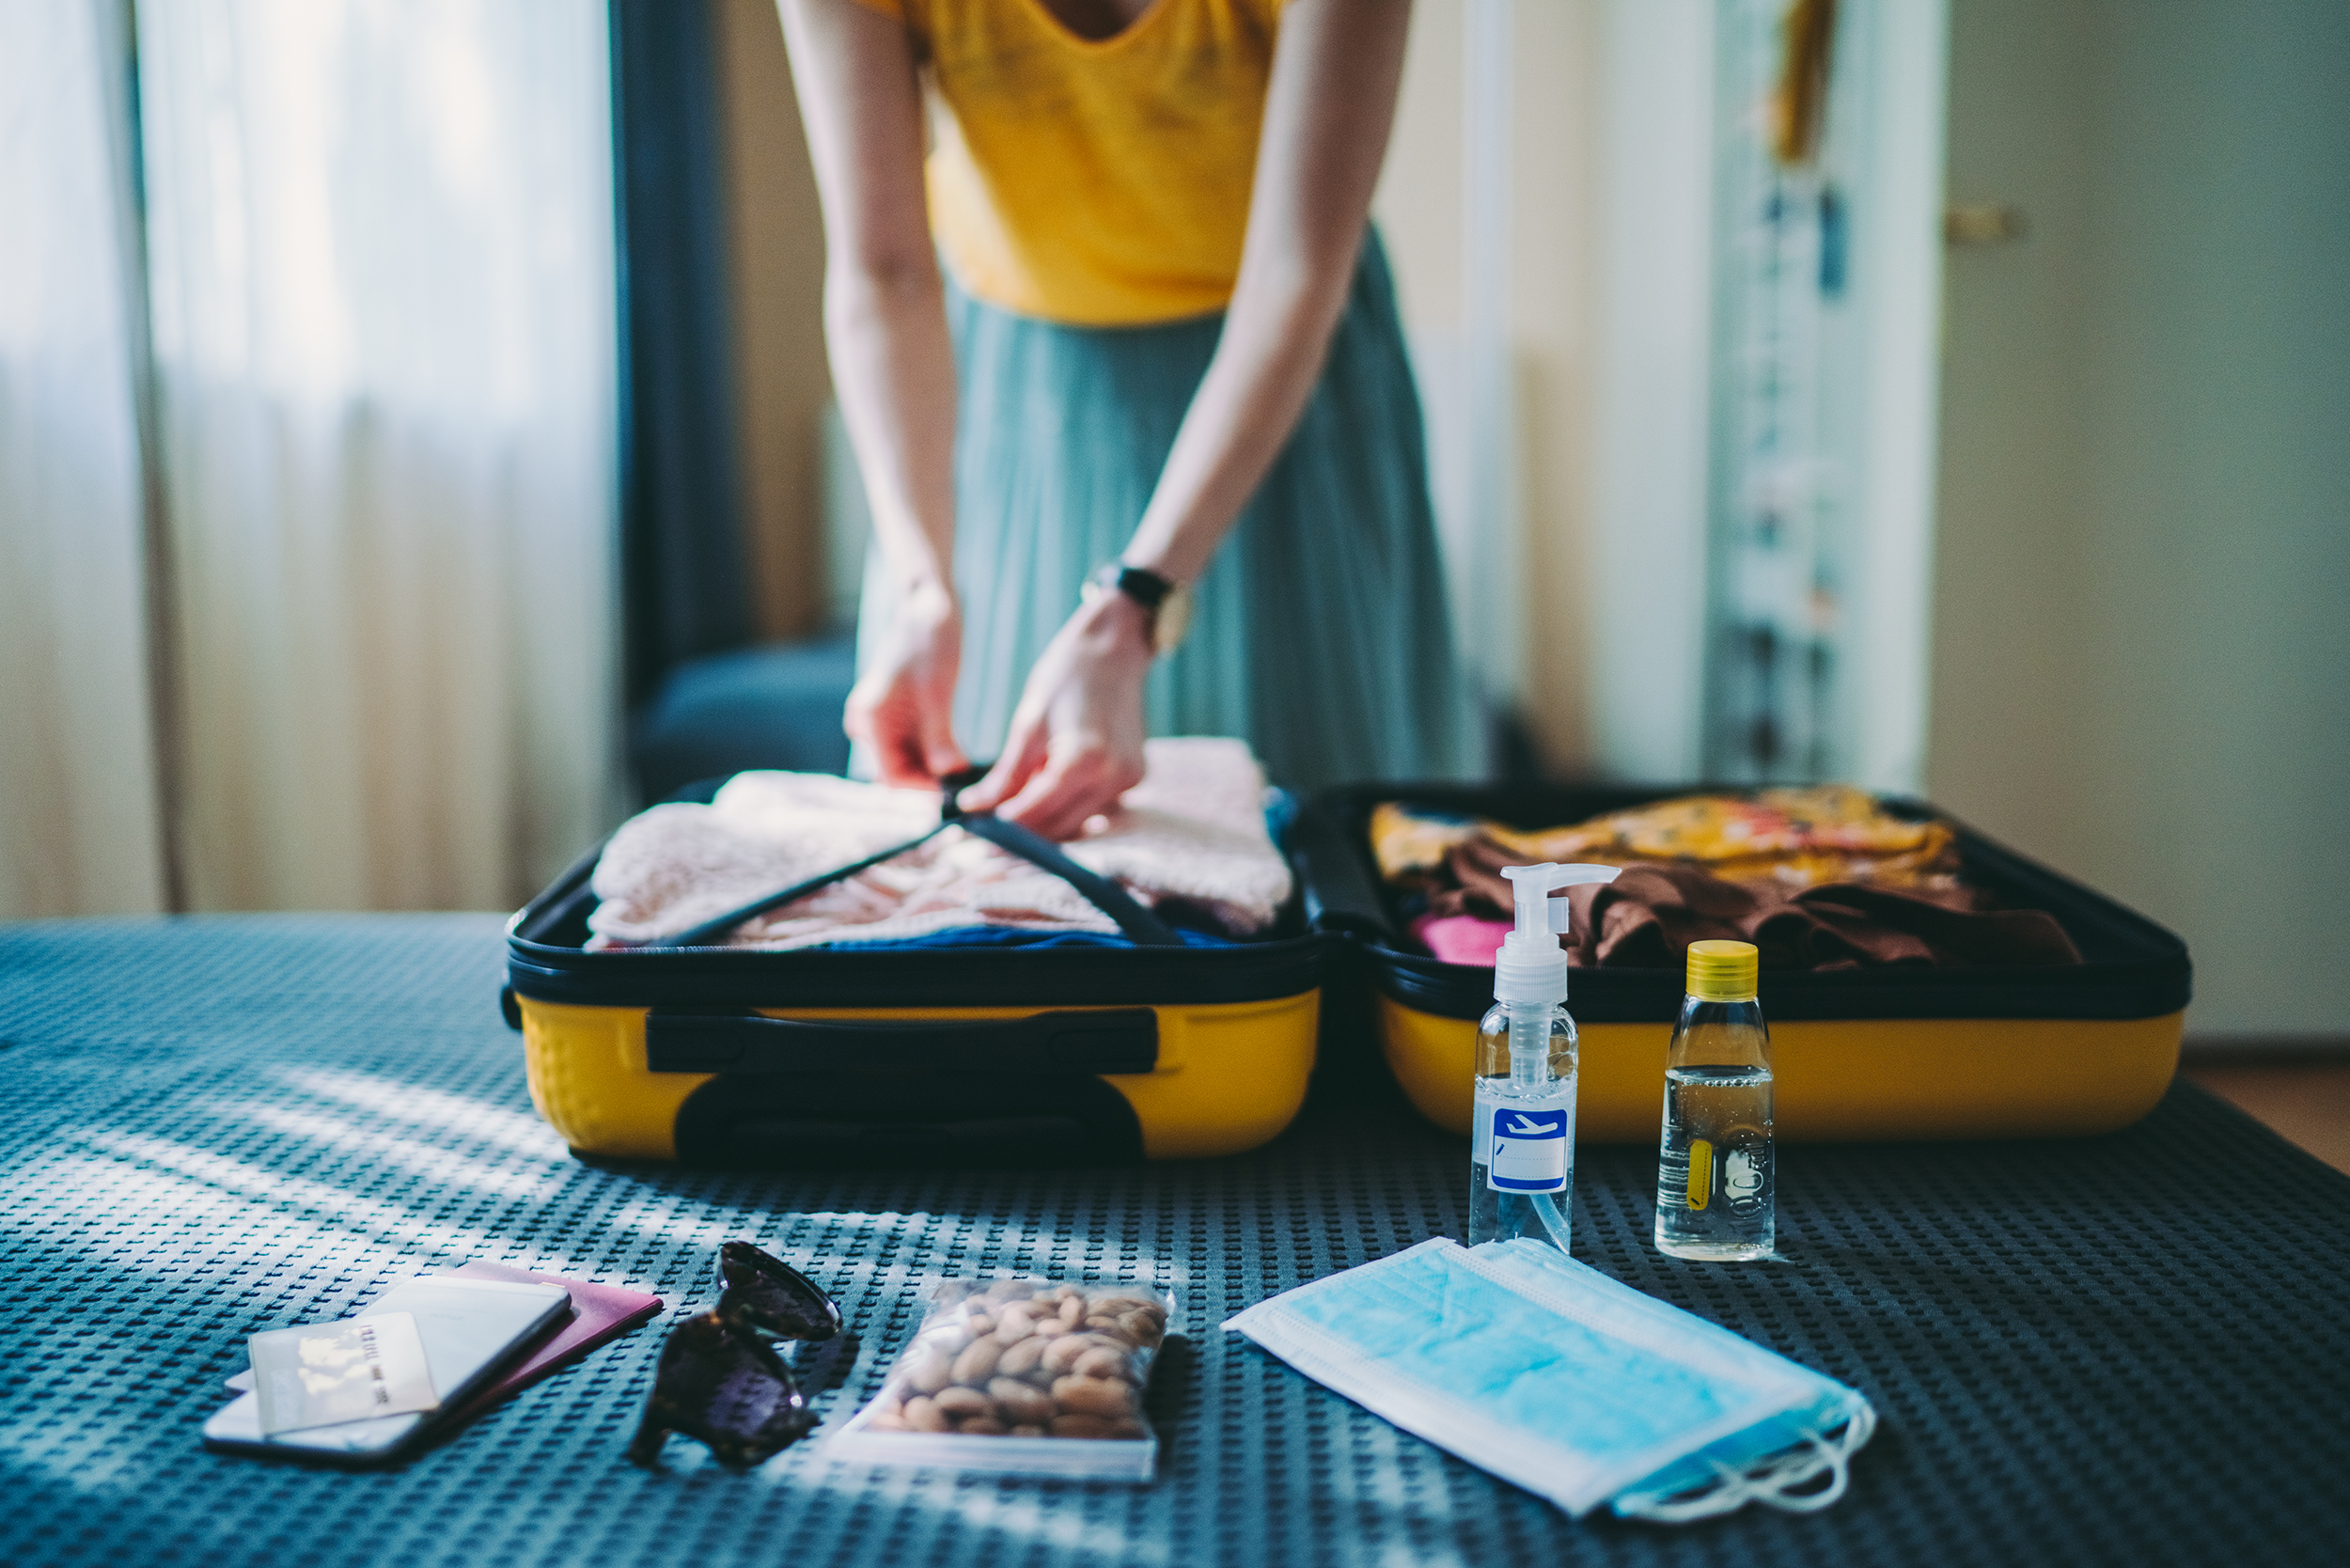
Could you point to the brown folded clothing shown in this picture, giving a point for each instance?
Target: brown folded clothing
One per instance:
(1647, 917)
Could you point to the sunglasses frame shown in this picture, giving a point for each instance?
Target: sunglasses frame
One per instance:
(762, 1299)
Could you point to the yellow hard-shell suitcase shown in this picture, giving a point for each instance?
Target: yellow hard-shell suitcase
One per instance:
(839, 1056)
(1859, 1054)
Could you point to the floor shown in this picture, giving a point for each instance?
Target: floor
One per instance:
(2308, 1103)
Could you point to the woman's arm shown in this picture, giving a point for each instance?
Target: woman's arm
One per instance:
(1075, 744)
(892, 366)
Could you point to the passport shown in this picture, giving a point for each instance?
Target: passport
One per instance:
(599, 1314)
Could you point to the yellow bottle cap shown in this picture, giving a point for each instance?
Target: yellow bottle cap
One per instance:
(1723, 971)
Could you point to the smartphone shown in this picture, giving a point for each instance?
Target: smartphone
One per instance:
(469, 1328)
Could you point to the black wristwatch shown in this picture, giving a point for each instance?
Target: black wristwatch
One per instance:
(1165, 602)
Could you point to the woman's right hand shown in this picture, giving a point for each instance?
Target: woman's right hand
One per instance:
(902, 708)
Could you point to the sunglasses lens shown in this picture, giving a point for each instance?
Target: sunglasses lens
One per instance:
(770, 1294)
(729, 1391)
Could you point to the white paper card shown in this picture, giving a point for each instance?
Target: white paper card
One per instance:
(328, 1372)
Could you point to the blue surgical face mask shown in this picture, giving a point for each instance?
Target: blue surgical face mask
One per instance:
(1554, 1376)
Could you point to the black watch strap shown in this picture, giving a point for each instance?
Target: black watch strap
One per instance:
(1142, 585)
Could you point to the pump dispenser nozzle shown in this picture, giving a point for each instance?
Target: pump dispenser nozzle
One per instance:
(1532, 966)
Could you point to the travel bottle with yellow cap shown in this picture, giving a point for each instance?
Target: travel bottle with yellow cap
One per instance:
(1714, 1175)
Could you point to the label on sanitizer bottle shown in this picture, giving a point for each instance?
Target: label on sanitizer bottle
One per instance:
(1527, 1140)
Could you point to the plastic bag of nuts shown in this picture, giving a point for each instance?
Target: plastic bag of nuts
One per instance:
(1022, 1376)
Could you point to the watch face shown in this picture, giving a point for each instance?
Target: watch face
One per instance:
(1173, 619)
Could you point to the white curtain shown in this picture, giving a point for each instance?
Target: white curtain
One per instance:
(79, 814)
(380, 238)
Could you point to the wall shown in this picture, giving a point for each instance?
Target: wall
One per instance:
(1419, 209)
(776, 246)
(1643, 620)
(2141, 660)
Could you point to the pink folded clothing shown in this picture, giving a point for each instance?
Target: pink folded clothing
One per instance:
(1192, 833)
(1461, 938)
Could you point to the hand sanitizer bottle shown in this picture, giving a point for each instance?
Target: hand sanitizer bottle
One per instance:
(1715, 1181)
(1521, 1139)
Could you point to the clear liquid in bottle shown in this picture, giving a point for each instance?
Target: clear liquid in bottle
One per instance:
(1717, 1175)
(1522, 1138)
(1714, 1178)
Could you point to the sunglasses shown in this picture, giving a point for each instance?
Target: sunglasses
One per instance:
(720, 1380)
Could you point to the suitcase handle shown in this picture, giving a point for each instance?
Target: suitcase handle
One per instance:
(966, 1140)
(1106, 1040)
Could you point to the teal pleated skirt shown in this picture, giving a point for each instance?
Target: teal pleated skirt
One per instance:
(1320, 633)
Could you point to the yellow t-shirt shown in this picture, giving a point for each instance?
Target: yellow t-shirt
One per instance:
(1102, 183)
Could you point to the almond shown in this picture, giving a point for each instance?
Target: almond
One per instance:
(1073, 1310)
(1102, 1361)
(982, 1426)
(1081, 1426)
(1020, 1360)
(1019, 1402)
(977, 1363)
(1015, 1323)
(1111, 1331)
(923, 1415)
(963, 1404)
(1089, 1396)
(1061, 1355)
(1028, 1431)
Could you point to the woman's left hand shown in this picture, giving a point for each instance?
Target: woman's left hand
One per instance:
(1075, 744)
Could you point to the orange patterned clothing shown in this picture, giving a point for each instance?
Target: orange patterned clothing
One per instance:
(1095, 182)
(1798, 837)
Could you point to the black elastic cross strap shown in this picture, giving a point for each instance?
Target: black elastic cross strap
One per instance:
(1146, 929)
(1140, 926)
(713, 930)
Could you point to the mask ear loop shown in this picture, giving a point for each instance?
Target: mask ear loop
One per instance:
(1832, 1454)
(1773, 1481)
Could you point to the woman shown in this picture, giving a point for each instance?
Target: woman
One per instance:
(1173, 325)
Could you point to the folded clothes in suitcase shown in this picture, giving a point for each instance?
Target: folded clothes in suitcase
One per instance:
(915, 1052)
(1895, 1051)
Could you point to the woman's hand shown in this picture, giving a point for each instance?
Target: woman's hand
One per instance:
(1076, 737)
(903, 709)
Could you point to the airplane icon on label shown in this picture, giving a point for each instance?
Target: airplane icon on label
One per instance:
(1528, 1149)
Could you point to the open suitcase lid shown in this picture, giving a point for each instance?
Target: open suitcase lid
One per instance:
(2134, 968)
